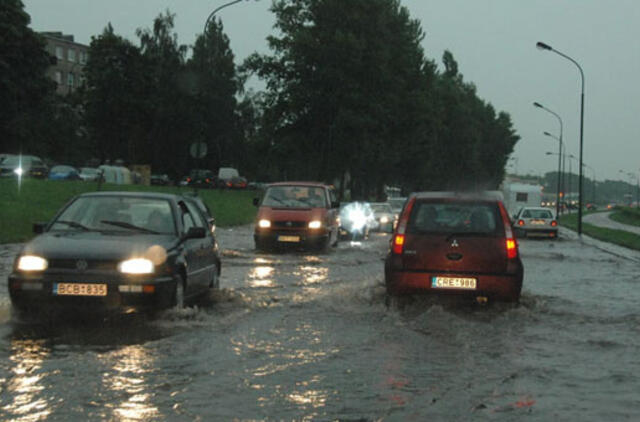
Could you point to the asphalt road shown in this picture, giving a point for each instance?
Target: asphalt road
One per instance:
(308, 337)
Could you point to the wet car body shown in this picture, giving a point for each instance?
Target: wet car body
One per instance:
(23, 166)
(84, 270)
(536, 222)
(449, 243)
(62, 172)
(298, 215)
(384, 216)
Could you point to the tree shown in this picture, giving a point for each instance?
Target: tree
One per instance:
(23, 84)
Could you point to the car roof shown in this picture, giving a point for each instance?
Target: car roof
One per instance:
(536, 208)
(315, 184)
(465, 196)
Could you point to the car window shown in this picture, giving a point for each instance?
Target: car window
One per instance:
(196, 214)
(295, 197)
(454, 217)
(186, 217)
(537, 214)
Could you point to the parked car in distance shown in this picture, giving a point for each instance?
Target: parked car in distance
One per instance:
(116, 251)
(200, 178)
(160, 179)
(535, 222)
(384, 216)
(356, 220)
(298, 215)
(450, 243)
(63, 172)
(90, 174)
(23, 166)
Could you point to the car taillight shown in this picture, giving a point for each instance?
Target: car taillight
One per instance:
(554, 223)
(207, 180)
(398, 244)
(404, 217)
(510, 241)
(512, 249)
(521, 222)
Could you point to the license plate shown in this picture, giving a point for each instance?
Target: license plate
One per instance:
(453, 283)
(537, 222)
(79, 289)
(292, 239)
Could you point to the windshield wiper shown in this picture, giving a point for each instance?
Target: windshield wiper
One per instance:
(128, 226)
(73, 224)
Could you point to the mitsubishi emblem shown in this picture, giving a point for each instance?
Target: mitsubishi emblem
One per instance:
(454, 244)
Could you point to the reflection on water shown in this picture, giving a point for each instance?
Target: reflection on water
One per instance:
(128, 379)
(27, 381)
(261, 277)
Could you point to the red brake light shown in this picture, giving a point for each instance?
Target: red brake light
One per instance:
(207, 180)
(398, 244)
(521, 222)
(512, 249)
(554, 223)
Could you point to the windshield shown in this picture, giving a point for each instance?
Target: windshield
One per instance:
(114, 213)
(381, 208)
(455, 217)
(295, 197)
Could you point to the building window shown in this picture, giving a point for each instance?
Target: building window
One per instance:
(70, 79)
(71, 55)
(82, 57)
(522, 197)
(59, 77)
(59, 53)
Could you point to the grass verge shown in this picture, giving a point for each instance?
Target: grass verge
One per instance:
(626, 215)
(617, 237)
(38, 200)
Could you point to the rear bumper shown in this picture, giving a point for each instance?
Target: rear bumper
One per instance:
(538, 232)
(501, 287)
(33, 294)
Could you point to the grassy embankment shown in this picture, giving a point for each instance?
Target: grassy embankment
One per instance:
(39, 200)
(626, 215)
(618, 237)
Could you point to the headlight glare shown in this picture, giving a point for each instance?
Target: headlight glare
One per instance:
(264, 224)
(136, 266)
(384, 219)
(315, 224)
(32, 263)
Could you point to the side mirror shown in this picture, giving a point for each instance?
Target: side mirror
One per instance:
(335, 204)
(38, 228)
(256, 201)
(196, 233)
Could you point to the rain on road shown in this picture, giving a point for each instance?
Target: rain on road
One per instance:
(308, 337)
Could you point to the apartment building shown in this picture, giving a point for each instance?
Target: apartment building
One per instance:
(70, 59)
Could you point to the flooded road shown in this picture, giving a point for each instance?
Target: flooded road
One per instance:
(308, 337)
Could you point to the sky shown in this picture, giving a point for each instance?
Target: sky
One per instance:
(493, 42)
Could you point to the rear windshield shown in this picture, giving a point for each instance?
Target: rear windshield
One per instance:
(447, 217)
(537, 214)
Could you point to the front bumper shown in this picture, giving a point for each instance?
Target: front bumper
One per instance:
(29, 292)
(501, 287)
(287, 238)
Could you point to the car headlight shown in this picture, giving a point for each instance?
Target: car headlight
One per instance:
(18, 171)
(136, 266)
(384, 219)
(264, 224)
(32, 263)
(315, 224)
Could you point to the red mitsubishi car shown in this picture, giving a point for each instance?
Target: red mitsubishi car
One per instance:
(451, 243)
(300, 215)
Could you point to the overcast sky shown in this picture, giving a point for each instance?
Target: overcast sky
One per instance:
(494, 44)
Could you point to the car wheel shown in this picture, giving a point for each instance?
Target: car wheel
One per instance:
(178, 293)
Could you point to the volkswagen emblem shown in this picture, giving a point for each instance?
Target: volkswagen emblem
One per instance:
(454, 244)
(82, 265)
(289, 224)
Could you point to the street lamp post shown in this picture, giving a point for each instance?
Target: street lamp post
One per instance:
(544, 46)
(559, 169)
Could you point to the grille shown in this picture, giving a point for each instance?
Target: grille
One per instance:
(290, 224)
(92, 265)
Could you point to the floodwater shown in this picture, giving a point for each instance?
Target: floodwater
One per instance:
(308, 337)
